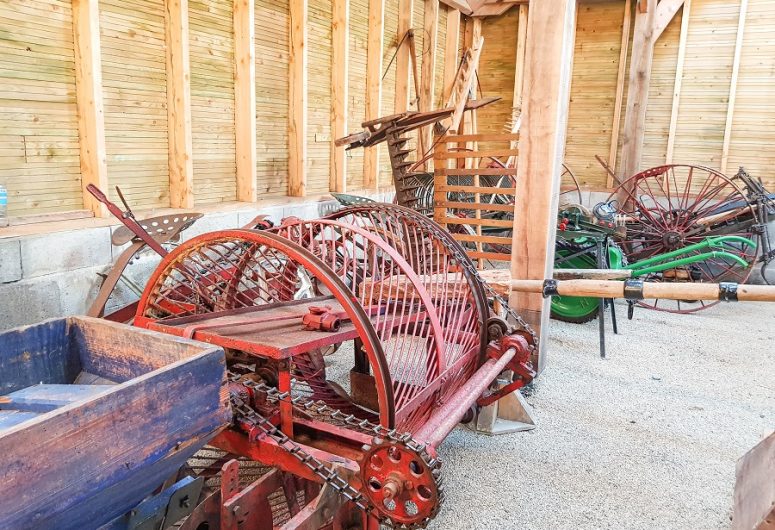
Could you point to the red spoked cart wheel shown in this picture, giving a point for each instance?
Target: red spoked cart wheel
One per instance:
(669, 207)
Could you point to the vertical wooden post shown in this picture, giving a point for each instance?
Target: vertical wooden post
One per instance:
(451, 52)
(651, 19)
(245, 99)
(619, 99)
(339, 59)
(638, 92)
(430, 28)
(679, 74)
(373, 85)
(297, 99)
(91, 112)
(546, 95)
(405, 11)
(181, 164)
(519, 68)
(733, 85)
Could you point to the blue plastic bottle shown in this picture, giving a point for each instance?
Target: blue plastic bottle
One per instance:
(3, 206)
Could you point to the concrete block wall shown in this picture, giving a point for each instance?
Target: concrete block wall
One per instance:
(58, 274)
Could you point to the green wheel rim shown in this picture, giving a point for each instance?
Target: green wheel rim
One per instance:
(571, 307)
(582, 309)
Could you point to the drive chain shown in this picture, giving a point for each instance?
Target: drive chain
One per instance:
(246, 414)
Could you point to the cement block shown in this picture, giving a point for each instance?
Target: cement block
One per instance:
(275, 214)
(77, 289)
(212, 222)
(64, 251)
(10, 261)
(29, 301)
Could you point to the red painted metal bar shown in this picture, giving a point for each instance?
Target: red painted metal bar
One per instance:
(127, 220)
(447, 417)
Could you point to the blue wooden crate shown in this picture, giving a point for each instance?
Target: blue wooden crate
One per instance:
(95, 415)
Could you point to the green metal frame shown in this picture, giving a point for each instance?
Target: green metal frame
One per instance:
(658, 263)
(583, 309)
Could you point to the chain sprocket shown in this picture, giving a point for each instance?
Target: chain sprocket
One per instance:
(429, 467)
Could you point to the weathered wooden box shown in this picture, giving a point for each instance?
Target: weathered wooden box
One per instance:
(95, 415)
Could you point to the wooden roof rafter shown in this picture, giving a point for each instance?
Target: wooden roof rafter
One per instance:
(461, 5)
(493, 8)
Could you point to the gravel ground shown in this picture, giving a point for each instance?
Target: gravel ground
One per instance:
(645, 439)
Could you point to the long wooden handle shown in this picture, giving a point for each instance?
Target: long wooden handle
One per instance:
(666, 291)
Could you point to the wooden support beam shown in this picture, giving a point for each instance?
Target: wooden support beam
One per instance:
(546, 98)
(428, 75)
(638, 88)
(519, 68)
(666, 11)
(461, 6)
(733, 85)
(679, 74)
(245, 99)
(373, 86)
(451, 52)
(405, 11)
(91, 111)
(494, 8)
(621, 77)
(339, 67)
(650, 21)
(181, 164)
(297, 94)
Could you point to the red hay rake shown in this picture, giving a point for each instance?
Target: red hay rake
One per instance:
(355, 344)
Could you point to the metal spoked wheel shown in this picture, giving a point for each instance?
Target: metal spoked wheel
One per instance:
(670, 207)
(571, 191)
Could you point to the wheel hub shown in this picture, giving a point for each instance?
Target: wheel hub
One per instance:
(400, 483)
(672, 240)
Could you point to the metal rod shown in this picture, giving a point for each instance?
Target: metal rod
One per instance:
(449, 415)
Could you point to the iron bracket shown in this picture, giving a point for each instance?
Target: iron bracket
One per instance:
(727, 291)
(550, 288)
(633, 289)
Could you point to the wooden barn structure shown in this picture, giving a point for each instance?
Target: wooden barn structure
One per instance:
(209, 104)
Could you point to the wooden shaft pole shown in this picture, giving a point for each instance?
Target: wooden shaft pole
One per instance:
(651, 290)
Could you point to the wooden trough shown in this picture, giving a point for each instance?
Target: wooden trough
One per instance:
(95, 416)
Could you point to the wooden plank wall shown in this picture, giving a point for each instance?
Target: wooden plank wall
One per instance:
(319, 94)
(134, 79)
(703, 100)
(356, 87)
(39, 157)
(272, 97)
(707, 72)
(593, 89)
(496, 72)
(212, 100)
(753, 133)
(661, 95)
(441, 48)
(387, 105)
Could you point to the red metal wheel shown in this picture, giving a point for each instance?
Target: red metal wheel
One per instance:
(670, 207)
(570, 190)
(400, 484)
(428, 247)
(234, 270)
(424, 313)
